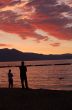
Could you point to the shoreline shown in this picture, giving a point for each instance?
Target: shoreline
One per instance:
(35, 99)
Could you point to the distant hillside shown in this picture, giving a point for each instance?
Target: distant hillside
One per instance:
(15, 55)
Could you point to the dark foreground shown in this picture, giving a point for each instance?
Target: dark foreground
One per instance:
(18, 99)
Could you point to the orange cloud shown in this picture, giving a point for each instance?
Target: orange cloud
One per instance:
(54, 30)
(25, 31)
(4, 45)
(55, 44)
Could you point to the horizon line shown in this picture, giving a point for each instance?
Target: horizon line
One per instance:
(33, 52)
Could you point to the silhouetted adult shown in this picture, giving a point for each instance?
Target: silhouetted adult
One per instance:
(23, 76)
(10, 79)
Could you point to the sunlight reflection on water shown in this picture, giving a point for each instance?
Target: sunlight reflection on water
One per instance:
(47, 77)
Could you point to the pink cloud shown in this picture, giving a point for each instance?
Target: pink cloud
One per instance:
(47, 16)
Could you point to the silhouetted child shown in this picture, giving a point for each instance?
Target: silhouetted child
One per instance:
(10, 79)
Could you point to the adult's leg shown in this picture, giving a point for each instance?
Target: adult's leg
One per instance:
(9, 85)
(22, 83)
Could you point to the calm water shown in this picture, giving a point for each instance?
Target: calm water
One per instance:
(48, 77)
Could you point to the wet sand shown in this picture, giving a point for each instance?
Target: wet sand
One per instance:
(35, 99)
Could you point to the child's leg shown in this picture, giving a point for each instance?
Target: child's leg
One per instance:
(26, 83)
(9, 84)
(12, 84)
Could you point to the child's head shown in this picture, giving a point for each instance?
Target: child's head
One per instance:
(9, 70)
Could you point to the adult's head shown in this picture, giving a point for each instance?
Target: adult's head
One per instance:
(22, 63)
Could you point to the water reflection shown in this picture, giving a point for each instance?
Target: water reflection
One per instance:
(48, 77)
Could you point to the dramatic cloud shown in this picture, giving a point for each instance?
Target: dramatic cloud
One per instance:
(24, 17)
(50, 17)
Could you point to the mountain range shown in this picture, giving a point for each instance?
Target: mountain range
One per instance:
(16, 55)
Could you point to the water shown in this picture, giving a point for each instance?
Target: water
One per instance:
(57, 77)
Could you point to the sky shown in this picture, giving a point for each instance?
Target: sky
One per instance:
(39, 26)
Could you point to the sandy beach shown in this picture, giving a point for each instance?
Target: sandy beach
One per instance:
(35, 99)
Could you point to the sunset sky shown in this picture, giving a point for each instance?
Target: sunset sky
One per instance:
(39, 26)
